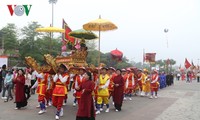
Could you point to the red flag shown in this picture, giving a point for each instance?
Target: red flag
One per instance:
(65, 36)
(187, 64)
(150, 57)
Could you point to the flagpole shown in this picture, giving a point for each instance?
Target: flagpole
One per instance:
(143, 58)
(99, 57)
(52, 2)
(150, 66)
(50, 43)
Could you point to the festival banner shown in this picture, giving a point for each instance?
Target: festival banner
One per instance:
(150, 57)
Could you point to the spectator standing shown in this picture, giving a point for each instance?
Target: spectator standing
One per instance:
(3, 75)
(20, 98)
(8, 83)
(27, 84)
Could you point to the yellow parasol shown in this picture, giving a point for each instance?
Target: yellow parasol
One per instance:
(99, 25)
(50, 29)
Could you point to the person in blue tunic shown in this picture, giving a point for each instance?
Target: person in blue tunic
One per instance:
(162, 80)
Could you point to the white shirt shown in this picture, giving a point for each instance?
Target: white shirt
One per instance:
(198, 74)
(71, 77)
(62, 79)
(28, 79)
(33, 76)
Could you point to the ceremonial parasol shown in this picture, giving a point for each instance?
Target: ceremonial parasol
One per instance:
(50, 29)
(83, 34)
(99, 25)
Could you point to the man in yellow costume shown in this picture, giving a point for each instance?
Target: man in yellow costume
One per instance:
(103, 93)
(140, 80)
(146, 84)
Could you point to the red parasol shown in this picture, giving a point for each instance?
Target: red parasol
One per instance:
(116, 54)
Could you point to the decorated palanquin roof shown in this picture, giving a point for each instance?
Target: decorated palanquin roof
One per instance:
(77, 59)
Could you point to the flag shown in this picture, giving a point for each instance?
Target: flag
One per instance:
(187, 64)
(65, 36)
(150, 57)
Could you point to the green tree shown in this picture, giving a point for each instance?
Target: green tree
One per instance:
(106, 58)
(160, 63)
(9, 42)
(36, 44)
(9, 38)
(91, 45)
(92, 57)
(28, 40)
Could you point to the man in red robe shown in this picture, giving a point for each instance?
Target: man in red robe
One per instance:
(86, 105)
(118, 90)
(124, 75)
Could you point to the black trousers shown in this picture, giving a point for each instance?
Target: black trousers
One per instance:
(3, 89)
(70, 85)
(1, 85)
(32, 83)
(27, 91)
(85, 118)
(198, 79)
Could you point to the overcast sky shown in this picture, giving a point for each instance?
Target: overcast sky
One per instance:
(141, 24)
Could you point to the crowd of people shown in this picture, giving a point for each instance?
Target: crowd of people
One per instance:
(188, 76)
(93, 90)
(13, 82)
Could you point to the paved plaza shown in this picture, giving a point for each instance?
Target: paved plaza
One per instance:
(178, 102)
